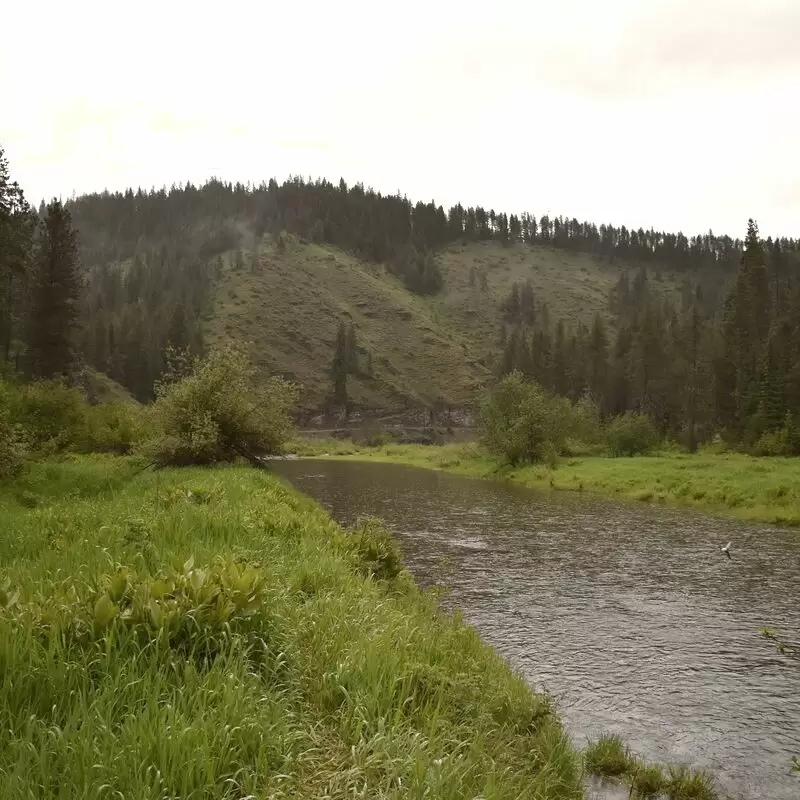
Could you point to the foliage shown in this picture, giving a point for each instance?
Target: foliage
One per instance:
(685, 784)
(217, 413)
(55, 304)
(13, 441)
(52, 413)
(321, 681)
(607, 756)
(586, 425)
(116, 427)
(377, 551)
(632, 434)
(195, 612)
(520, 422)
(647, 780)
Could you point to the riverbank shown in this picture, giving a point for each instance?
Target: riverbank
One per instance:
(213, 633)
(734, 485)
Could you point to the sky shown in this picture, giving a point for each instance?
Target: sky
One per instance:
(675, 114)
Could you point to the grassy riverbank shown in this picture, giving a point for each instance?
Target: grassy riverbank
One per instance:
(213, 634)
(756, 489)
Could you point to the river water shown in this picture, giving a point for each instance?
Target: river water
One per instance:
(630, 616)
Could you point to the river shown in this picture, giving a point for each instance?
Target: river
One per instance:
(629, 615)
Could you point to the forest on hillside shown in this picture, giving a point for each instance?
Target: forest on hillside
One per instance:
(122, 276)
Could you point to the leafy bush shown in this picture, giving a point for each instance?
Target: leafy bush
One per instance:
(586, 427)
(217, 413)
(521, 422)
(12, 448)
(114, 427)
(52, 414)
(631, 434)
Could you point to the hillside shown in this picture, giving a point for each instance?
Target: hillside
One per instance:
(412, 350)
(437, 300)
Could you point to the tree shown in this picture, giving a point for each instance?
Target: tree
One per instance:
(339, 368)
(745, 329)
(55, 298)
(16, 234)
(218, 413)
(597, 377)
(351, 350)
(520, 422)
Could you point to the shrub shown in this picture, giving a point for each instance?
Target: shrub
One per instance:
(114, 427)
(520, 422)
(586, 426)
(52, 414)
(631, 434)
(216, 413)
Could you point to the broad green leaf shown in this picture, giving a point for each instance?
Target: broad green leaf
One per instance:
(118, 585)
(105, 609)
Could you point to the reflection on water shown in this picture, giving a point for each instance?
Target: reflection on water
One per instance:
(631, 616)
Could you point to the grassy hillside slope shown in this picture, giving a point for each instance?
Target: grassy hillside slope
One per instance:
(422, 350)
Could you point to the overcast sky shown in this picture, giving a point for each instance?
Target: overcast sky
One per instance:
(680, 115)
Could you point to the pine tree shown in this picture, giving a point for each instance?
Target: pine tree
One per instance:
(597, 376)
(560, 379)
(351, 350)
(527, 303)
(16, 236)
(745, 329)
(55, 305)
(339, 368)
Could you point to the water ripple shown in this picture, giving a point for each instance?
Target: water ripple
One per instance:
(629, 615)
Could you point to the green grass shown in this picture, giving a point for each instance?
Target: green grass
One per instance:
(608, 757)
(423, 349)
(756, 489)
(213, 634)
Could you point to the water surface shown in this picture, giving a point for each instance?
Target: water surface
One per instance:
(630, 615)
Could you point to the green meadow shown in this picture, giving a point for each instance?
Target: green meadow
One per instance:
(211, 633)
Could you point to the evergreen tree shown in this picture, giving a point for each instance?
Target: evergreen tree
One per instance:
(560, 379)
(56, 296)
(16, 235)
(339, 368)
(351, 350)
(597, 375)
(745, 328)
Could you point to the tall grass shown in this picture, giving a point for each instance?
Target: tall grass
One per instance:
(213, 634)
(608, 757)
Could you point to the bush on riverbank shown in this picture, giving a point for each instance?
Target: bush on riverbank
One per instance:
(520, 422)
(215, 412)
(211, 633)
(631, 434)
(45, 418)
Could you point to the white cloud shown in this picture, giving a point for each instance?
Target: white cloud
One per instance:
(677, 115)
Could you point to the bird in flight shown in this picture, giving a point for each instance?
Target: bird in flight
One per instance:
(727, 549)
